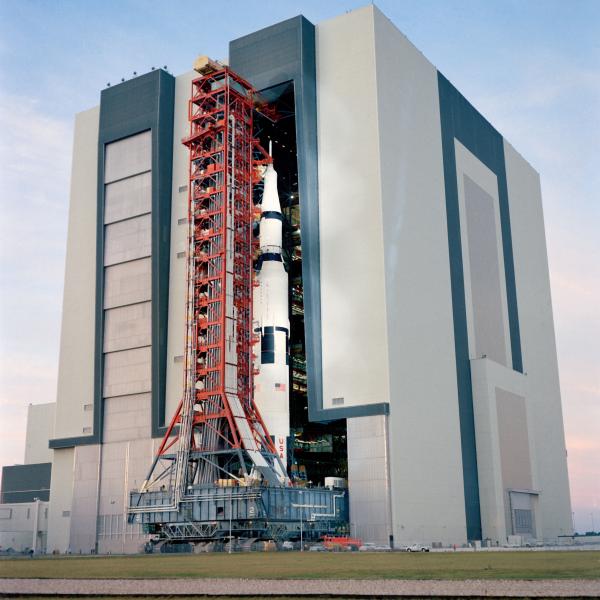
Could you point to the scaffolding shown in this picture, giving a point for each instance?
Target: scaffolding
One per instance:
(217, 432)
(216, 449)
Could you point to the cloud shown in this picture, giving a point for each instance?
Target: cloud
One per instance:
(35, 153)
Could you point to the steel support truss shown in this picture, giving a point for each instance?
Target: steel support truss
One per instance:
(217, 431)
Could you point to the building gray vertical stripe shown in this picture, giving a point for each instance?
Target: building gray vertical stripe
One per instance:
(141, 104)
(460, 120)
(305, 89)
(286, 52)
(162, 177)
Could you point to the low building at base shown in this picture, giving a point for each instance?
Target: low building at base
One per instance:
(25, 489)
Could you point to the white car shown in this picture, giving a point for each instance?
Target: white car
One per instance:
(417, 548)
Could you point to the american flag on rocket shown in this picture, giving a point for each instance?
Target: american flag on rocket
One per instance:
(280, 387)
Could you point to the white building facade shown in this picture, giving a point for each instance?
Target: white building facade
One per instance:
(427, 314)
(26, 488)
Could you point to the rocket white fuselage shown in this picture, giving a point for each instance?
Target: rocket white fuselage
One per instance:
(271, 321)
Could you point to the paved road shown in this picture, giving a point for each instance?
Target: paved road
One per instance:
(309, 587)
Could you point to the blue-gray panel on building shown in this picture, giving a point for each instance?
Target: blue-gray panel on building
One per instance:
(460, 120)
(25, 483)
(140, 104)
(269, 57)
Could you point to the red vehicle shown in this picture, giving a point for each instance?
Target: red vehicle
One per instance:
(331, 541)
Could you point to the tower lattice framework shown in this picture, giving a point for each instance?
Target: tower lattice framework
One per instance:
(217, 431)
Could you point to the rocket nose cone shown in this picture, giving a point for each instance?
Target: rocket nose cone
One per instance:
(270, 173)
(270, 200)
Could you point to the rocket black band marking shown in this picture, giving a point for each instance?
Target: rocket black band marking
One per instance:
(267, 343)
(268, 256)
(271, 329)
(272, 214)
(267, 358)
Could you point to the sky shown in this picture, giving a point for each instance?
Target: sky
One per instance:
(531, 67)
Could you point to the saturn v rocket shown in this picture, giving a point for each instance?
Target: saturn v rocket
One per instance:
(271, 321)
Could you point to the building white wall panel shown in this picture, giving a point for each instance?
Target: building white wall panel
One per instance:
(18, 524)
(485, 273)
(368, 479)
(124, 467)
(127, 339)
(76, 361)
(127, 372)
(128, 327)
(114, 456)
(425, 447)
(483, 258)
(179, 232)
(491, 383)
(127, 418)
(514, 440)
(61, 500)
(353, 324)
(538, 343)
(85, 499)
(128, 283)
(128, 240)
(40, 429)
(128, 197)
(127, 157)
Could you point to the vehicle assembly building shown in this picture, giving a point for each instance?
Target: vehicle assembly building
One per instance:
(306, 293)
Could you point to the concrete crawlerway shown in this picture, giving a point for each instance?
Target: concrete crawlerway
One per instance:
(544, 588)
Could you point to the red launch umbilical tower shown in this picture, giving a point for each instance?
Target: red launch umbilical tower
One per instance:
(217, 474)
(217, 431)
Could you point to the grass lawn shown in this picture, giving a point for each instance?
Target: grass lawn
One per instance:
(296, 565)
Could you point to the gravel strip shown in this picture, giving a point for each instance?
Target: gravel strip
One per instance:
(303, 587)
